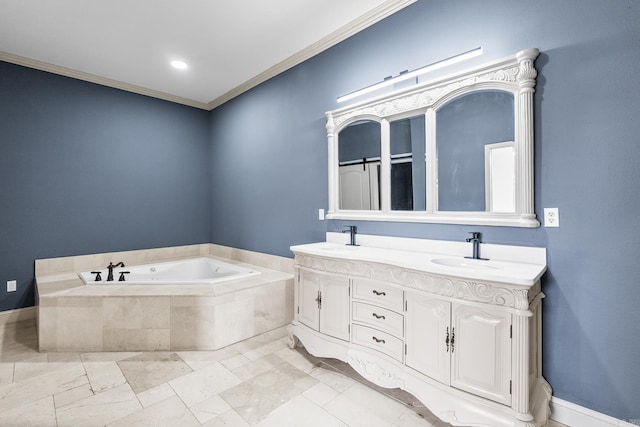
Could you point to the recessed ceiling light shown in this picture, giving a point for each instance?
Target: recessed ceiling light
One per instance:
(180, 65)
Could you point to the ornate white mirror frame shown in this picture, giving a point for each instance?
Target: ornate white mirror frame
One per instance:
(515, 74)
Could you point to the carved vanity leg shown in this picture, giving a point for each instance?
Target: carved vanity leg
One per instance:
(292, 341)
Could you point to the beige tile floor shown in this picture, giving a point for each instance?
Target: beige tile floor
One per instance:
(257, 382)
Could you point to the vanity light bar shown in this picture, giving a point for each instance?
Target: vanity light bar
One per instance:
(406, 75)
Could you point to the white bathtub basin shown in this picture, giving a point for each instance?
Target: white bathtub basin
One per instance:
(204, 271)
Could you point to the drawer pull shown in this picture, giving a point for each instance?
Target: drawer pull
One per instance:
(379, 293)
(378, 317)
(378, 341)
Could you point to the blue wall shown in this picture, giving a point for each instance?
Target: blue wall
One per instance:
(270, 153)
(89, 169)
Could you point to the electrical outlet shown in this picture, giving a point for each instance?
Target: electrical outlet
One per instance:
(321, 214)
(11, 286)
(551, 217)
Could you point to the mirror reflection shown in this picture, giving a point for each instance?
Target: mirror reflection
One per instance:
(475, 152)
(359, 166)
(408, 168)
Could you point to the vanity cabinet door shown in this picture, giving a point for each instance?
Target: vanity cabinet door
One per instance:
(481, 360)
(428, 336)
(308, 291)
(323, 303)
(334, 311)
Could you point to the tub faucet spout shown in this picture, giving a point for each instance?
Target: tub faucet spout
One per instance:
(111, 266)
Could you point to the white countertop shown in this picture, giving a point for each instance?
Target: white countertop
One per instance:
(494, 270)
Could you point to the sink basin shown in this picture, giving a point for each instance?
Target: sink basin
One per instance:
(470, 264)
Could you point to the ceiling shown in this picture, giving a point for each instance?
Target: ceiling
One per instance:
(230, 46)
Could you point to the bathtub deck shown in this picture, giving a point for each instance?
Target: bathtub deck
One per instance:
(114, 317)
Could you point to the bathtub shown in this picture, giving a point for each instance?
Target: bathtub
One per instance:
(198, 301)
(195, 271)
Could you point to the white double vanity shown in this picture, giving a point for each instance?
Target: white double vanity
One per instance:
(461, 335)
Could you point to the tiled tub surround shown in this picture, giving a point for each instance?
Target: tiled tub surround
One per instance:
(118, 317)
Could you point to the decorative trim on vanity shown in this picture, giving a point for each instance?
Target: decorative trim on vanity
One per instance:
(447, 286)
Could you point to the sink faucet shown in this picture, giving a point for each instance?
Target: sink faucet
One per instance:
(475, 240)
(352, 230)
(111, 266)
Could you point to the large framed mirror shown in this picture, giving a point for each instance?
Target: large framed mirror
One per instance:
(458, 150)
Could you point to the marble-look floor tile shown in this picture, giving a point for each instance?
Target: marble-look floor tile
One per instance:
(256, 397)
(257, 367)
(152, 369)
(333, 379)
(40, 413)
(108, 356)
(300, 411)
(321, 394)
(99, 409)
(73, 395)
(235, 362)
(228, 419)
(410, 418)
(359, 406)
(156, 394)
(264, 350)
(35, 388)
(203, 384)
(298, 359)
(200, 359)
(104, 375)
(28, 369)
(209, 409)
(6, 373)
(168, 413)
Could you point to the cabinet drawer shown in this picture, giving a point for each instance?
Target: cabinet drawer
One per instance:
(378, 292)
(377, 340)
(379, 318)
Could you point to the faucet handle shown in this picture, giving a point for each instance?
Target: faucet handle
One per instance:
(475, 235)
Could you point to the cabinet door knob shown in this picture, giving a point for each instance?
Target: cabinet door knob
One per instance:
(453, 339)
(379, 293)
(378, 317)
(447, 340)
(378, 341)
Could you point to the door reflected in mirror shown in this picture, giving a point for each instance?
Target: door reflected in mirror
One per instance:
(359, 166)
(465, 127)
(408, 168)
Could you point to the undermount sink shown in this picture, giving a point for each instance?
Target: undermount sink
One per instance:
(471, 264)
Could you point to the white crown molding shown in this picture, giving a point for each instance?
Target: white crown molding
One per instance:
(574, 415)
(384, 10)
(80, 75)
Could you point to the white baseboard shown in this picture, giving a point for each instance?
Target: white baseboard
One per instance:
(17, 315)
(574, 415)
